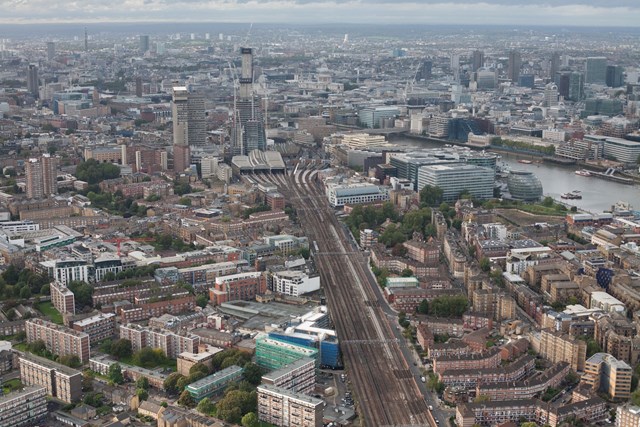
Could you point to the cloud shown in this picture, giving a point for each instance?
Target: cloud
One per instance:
(517, 12)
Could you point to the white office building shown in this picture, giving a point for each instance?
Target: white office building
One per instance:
(293, 283)
(456, 178)
(342, 194)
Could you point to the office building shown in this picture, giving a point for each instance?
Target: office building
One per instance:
(298, 376)
(41, 176)
(524, 185)
(293, 283)
(343, 194)
(622, 150)
(554, 64)
(27, 407)
(51, 51)
(58, 339)
(596, 70)
(99, 327)
(615, 76)
(559, 347)
(378, 117)
(60, 381)
(284, 408)
(550, 95)
(477, 60)
(455, 179)
(576, 87)
(143, 44)
(627, 416)
(248, 131)
(274, 353)
(513, 68)
(604, 373)
(62, 298)
(33, 81)
(214, 384)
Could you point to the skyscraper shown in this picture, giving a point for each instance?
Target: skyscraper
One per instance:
(248, 129)
(515, 63)
(576, 86)
(144, 44)
(615, 76)
(51, 51)
(554, 65)
(477, 60)
(551, 95)
(180, 118)
(33, 83)
(596, 70)
(41, 176)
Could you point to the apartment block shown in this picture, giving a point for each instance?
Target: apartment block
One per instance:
(525, 389)
(241, 286)
(60, 381)
(102, 363)
(488, 359)
(470, 378)
(98, 327)
(605, 373)
(59, 340)
(23, 408)
(172, 304)
(187, 360)
(171, 344)
(558, 347)
(298, 376)
(284, 408)
(62, 298)
(628, 416)
(214, 384)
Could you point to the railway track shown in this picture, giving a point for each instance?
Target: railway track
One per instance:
(385, 390)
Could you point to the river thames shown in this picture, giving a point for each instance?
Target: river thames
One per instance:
(597, 194)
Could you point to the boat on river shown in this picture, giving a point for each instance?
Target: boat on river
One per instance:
(583, 172)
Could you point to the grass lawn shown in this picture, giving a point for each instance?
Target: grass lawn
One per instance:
(170, 363)
(49, 310)
(11, 385)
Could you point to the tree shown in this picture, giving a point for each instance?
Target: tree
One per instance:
(202, 301)
(430, 195)
(206, 407)
(392, 236)
(184, 201)
(186, 400)
(423, 308)
(45, 289)
(87, 380)
(235, 404)
(170, 383)
(407, 272)
(485, 264)
(148, 357)
(142, 394)
(483, 398)
(115, 374)
(448, 306)
(182, 383)
(121, 348)
(25, 292)
(142, 383)
(82, 292)
(253, 373)
(250, 420)
(70, 360)
(547, 202)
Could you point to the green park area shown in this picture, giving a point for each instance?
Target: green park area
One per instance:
(50, 311)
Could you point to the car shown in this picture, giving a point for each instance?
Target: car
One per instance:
(431, 407)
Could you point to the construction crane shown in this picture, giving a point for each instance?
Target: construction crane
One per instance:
(119, 240)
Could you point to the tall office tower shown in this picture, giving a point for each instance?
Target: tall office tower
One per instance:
(615, 76)
(180, 118)
(33, 83)
(51, 51)
(596, 70)
(576, 86)
(160, 48)
(86, 40)
(477, 60)
(144, 44)
(554, 65)
(515, 63)
(561, 80)
(550, 95)
(41, 174)
(248, 128)
(138, 86)
(425, 70)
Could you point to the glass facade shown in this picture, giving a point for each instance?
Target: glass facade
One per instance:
(524, 186)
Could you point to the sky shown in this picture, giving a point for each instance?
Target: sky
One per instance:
(625, 13)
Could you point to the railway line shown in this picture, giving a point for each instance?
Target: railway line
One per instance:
(386, 392)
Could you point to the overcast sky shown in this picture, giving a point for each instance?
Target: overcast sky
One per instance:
(525, 12)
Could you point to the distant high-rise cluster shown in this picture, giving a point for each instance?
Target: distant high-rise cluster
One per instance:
(41, 174)
(248, 131)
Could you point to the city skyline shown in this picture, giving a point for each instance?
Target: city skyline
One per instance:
(618, 13)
